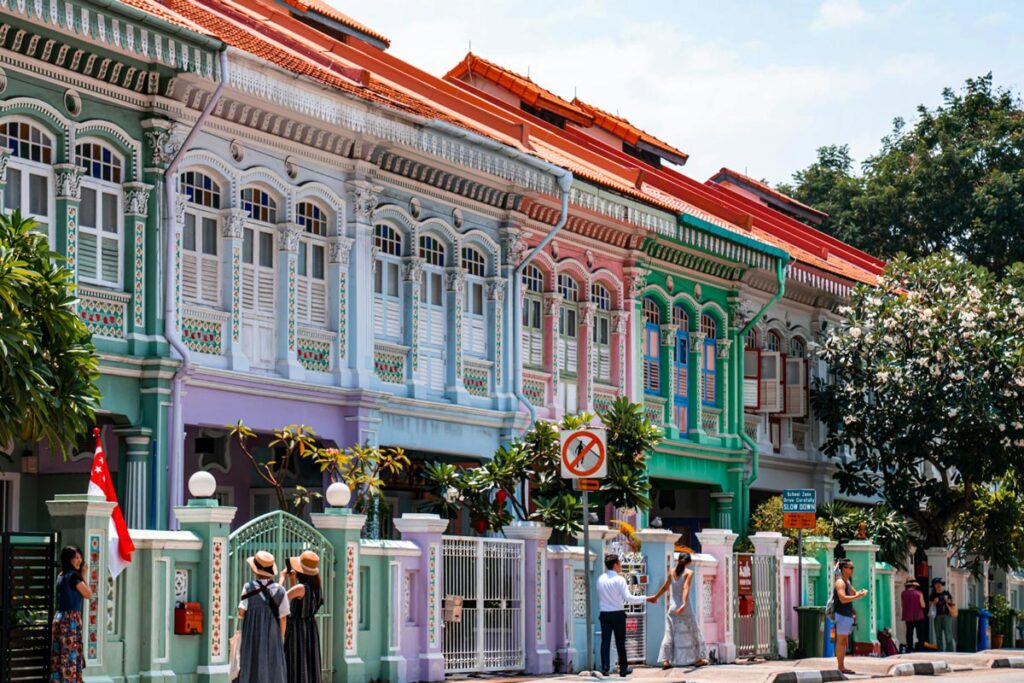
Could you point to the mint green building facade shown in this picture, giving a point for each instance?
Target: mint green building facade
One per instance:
(81, 149)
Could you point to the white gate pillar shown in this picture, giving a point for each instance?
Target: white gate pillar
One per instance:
(719, 544)
(535, 548)
(425, 659)
(773, 544)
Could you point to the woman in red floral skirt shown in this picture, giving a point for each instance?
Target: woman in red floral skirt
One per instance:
(67, 655)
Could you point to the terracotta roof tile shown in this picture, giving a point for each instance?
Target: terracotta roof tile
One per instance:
(767, 189)
(156, 9)
(622, 128)
(333, 13)
(521, 86)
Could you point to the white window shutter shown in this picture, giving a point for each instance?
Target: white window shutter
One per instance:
(771, 382)
(796, 387)
(751, 372)
(318, 303)
(190, 276)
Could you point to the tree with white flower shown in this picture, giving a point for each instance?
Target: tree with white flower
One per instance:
(926, 406)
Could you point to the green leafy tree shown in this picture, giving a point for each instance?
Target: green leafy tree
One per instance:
(927, 404)
(951, 179)
(768, 517)
(48, 365)
(890, 530)
(489, 491)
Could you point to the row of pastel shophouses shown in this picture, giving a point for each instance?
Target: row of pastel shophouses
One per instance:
(272, 219)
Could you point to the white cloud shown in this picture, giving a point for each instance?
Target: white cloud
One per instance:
(840, 14)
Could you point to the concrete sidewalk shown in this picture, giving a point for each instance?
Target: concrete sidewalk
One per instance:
(767, 671)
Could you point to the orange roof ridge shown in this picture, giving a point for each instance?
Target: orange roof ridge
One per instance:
(520, 85)
(319, 7)
(726, 171)
(621, 127)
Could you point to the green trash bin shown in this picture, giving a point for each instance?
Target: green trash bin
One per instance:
(967, 630)
(811, 630)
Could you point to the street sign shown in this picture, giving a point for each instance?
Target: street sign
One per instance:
(583, 454)
(799, 507)
(586, 484)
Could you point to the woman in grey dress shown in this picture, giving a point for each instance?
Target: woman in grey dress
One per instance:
(683, 644)
(264, 613)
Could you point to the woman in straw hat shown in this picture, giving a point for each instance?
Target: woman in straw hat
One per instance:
(302, 644)
(263, 612)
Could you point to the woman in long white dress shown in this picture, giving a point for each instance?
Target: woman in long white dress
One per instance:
(683, 644)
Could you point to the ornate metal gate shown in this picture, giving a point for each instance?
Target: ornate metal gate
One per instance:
(284, 535)
(487, 573)
(27, 574)
(755, 603)
(634, 570)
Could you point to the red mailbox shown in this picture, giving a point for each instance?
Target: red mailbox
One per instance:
(188, 619)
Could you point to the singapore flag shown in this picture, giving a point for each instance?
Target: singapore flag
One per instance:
(100, 484)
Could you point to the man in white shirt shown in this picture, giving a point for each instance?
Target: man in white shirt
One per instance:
(613, 595)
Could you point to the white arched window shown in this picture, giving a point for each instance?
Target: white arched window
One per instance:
(433, 322)
(29, 187)
(387, 283)
(474, 305)
(602, 334)
(258, 240)
(311, 284)
(200, 265)
(101, 221)
(533, 317)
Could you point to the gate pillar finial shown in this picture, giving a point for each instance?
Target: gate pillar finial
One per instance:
(342, 529)
(212, 524)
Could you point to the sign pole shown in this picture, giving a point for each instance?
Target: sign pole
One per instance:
(800, 567)
(586, 574)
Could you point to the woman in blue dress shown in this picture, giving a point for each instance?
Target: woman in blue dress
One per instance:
(67, 655)
(683, 644)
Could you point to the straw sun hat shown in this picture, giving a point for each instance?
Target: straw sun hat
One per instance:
(307, 563)
(263, 565)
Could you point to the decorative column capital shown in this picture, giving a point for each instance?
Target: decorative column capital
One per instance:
(515, 246)
(136, 198)
(668, 334)
(620, 321)
(635, 284)
(290, 234)
(366, 198)
(69, 181)
(496, 289)
(164, 139)
(696, 339)
(5, 156)
(234, 223)
(587, 312)
(552, 303)
(339, 249)
(456, 280)
(179, 209)
(723, 348)
(412, 269)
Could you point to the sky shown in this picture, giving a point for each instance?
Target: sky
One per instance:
(755, 85)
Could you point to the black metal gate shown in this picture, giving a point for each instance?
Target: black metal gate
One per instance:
(27, 573)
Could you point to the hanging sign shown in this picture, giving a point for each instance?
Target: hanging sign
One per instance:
(584, 454)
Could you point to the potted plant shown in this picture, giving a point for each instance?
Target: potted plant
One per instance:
(1002, 613)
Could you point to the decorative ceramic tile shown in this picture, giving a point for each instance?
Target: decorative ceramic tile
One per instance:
(72, 234)
(534, 390)
(236, 291)
(655, 412)
(579, 596)
(603, 402)
(291, 302)
(102, 317)
(314, 354)
(498, 341)
(139, 288)
(433, 577)
(477, 381)
(350, 598)
(91, 626)
(342, 301)
(217, 600)
(389, 366)
(539, 611)
(201, 336)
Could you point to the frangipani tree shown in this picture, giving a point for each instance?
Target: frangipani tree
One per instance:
(928, 393)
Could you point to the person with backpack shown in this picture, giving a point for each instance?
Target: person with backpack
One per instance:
(840, 609)
(943, 610)
(263, 612)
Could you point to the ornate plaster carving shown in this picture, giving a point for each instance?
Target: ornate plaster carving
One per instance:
(496, 290)
(339, 250)
(136, 198)
(366, 199)
(234, 224)
(69, 181)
